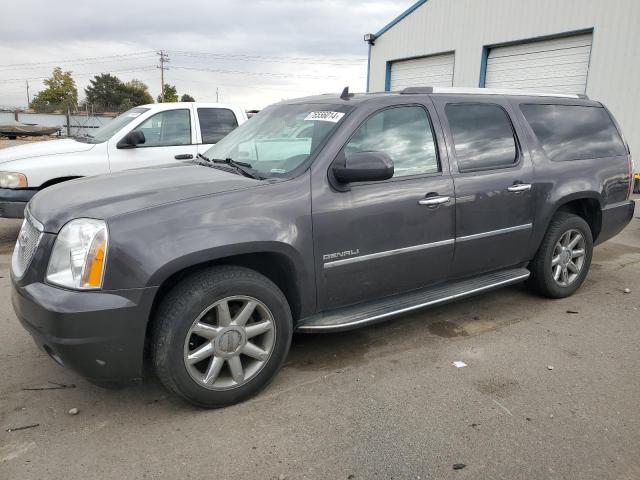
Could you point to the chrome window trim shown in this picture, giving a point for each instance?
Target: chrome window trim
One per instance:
(424, 246)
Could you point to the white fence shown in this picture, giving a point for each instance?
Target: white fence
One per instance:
(78, 124)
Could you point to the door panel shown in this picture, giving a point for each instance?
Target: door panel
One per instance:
(168, 134)
(380, 238)
(377, 240)
(493, 178)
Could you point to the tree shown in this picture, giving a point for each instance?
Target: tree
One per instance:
(105, 92)
(187, 98)
(170, 93)
(137, 93)
(61, 93)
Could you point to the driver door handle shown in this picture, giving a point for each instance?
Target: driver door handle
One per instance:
(184, 156)
(433, 201)
(519, 187)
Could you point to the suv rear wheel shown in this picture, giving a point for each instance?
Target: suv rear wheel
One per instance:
(563, 260)
(221, 335)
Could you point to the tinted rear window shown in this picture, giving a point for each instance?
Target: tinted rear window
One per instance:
(216, 123)
(574, 132)
(482, 136)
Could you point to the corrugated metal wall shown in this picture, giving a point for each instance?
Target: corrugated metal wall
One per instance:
(466, 26)
(80, 124)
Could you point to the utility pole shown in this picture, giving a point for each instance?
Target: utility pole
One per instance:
(217, 100)
(164, 58)
(28, 99)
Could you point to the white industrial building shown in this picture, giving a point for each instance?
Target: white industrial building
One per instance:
(589, 47)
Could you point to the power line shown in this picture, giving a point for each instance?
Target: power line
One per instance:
(271, 74)
(274, 59)
(85, 59)
(83, 74)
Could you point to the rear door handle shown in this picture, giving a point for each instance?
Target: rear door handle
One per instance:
(519, 187)
(184, 156)
(433, 201)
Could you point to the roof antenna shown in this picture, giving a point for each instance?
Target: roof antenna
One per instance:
(345, 95)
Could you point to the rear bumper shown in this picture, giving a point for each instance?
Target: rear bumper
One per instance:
(100, 335)
(13, 202)
(614, 218)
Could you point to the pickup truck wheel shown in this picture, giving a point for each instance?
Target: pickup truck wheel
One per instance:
(563, 260)
(221, 335)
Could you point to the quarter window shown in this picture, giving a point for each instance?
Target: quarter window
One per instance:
(215, 123)
(171, 127)
(574, 132)
(403, 133)
(483, 137)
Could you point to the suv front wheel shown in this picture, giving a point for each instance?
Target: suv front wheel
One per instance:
(563, 260)
(221, 335)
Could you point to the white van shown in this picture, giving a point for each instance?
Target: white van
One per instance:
(144, 136)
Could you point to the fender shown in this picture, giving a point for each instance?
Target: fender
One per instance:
(549, 207)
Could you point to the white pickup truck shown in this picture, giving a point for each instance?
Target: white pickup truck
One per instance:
(144, 136)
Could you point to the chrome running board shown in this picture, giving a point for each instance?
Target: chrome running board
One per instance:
(347, 318)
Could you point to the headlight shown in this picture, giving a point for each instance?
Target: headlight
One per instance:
(12, 180)
(79, 255)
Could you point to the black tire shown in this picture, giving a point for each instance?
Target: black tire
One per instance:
(185, 302)
(542, 279)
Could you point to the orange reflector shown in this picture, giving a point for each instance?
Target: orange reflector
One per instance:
(95, 270)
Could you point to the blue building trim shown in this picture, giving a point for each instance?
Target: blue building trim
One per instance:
(486, 48)
(387, 77)
(483, 66)
(404, 14)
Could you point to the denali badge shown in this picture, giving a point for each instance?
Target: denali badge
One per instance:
(346, 253)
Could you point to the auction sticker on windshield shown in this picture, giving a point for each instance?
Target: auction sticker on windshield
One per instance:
(325, 116)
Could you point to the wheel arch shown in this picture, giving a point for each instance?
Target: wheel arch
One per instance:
(275, 264)
(587, 205)
(57, 180)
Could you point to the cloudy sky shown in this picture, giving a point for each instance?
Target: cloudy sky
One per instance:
(255, 52)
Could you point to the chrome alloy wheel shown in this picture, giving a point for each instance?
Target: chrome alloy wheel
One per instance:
(568, 257)
(229, 342)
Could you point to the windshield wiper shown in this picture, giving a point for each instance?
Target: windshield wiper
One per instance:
(242, 167)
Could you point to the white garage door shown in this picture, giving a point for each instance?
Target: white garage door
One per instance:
(559, 65)
(432, 71)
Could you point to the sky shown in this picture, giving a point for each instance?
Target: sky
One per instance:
(255, 52)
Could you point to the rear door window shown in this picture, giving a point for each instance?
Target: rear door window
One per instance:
(483, 137)
(574, 132)
(216, 123)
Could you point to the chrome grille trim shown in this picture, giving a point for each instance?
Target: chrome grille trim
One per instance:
(26, 245)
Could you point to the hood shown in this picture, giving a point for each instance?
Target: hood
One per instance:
(38, 149)
(106, 196)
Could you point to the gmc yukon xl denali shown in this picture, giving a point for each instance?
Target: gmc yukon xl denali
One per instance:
(319, 214)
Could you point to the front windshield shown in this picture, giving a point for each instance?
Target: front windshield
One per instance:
(280, 138)
(104, 133)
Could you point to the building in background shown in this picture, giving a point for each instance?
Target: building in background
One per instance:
(589, 47)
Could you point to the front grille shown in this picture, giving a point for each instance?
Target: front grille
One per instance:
(26, 245)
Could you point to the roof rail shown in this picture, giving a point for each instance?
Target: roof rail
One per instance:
(485, 91)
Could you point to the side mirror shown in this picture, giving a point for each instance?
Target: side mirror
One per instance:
(131, 139)
(364, 167)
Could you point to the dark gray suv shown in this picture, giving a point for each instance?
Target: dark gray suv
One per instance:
(319, 214)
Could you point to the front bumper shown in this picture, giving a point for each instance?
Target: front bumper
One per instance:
(100, 335)
(13, 202)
